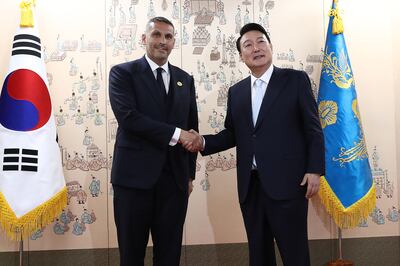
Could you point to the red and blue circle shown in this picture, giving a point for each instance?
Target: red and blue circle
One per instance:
(24, 102)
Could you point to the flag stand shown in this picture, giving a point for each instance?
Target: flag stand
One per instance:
(21, 253)
(340, 261)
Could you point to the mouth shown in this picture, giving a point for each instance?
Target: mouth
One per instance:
(162, 48)
(258, 57)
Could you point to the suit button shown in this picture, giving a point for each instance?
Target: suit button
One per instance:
(254, 135)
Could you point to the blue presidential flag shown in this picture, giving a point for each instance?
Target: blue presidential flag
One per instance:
(347, 189)
(32, 185)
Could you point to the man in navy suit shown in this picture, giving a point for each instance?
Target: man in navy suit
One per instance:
(272, 119)
(154, 103)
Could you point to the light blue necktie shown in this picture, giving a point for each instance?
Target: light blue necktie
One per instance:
(257, 99)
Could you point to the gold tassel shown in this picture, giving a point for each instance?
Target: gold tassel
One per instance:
(337, 23)
(346, 217)
(26, 7)
(19, 228)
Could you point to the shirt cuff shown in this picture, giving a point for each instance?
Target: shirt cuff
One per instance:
(175, 137)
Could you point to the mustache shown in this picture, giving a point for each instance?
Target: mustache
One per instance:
(161, 47)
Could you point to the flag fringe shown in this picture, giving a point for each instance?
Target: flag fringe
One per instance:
(19, 228)
(346, 217)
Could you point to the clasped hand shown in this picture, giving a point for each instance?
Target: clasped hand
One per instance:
(191, 140)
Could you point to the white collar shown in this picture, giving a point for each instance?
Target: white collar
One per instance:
(264, 77)
(154, 66)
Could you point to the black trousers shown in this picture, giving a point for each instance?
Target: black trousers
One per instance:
(267, 219)
(161, 211)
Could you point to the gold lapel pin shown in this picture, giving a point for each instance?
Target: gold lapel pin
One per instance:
(179, 84)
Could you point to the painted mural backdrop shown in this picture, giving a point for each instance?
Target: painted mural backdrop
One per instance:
(85, 39)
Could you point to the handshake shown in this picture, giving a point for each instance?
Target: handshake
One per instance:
(191, 140)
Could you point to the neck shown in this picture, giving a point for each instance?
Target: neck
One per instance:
(157, 61)
(259, 71)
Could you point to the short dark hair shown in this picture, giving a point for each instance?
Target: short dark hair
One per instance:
(249, 27)
(159, 19)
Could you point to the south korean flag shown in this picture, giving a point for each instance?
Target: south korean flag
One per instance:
(32, 185)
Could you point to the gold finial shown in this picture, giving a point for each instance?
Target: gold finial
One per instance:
(337, 23)
(26, 7)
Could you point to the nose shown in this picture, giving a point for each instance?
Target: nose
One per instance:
(256, 48)
(162, 39)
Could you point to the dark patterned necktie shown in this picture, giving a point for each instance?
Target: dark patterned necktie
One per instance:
(160, 82)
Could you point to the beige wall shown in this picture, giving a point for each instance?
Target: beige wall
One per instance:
(370, 36)
(396, 70)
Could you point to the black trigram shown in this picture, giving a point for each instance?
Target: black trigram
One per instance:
(15, 159)
(26, 44)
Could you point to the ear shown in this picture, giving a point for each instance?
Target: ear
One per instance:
(143, 38)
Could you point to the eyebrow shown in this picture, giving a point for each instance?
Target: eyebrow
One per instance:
(160, 32)
(260, 37)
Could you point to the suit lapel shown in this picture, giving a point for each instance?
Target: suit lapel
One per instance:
(176, 90)
(150, 82)
(246, 101)
(275, 87)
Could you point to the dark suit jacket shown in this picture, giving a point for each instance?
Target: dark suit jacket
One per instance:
(145, 128)
(287, 139)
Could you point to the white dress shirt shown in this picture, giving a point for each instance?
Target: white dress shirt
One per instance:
(257, 96)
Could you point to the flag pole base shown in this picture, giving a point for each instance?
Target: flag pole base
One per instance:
(21, 253)
(340, 262)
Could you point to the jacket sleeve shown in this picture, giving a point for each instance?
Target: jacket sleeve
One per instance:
(225, 139)
(312, 127)
(193, 124)
(123, 104)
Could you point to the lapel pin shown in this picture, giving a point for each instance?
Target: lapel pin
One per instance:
(179, 84)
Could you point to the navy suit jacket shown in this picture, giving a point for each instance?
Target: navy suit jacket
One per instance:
(287, 140)
(145, 128)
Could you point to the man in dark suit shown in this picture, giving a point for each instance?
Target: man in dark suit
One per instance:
(154, 103)
(272, 119)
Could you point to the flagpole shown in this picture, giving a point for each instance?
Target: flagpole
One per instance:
(340, 243)
(21, 252)
(340, 261)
